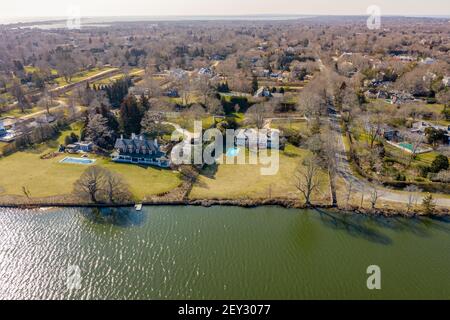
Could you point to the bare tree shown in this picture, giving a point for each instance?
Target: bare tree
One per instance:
(372, 128)
(307, 178)
(416, 141)
(91, 184)
(328, 152)
(375, 194)
(152, 124)
(349, 193)
(412, 197)
(18, 93)
(98, 184)
(202, 84)
(151, 85)
(66, 65)
(116, 189)
(362, 197)
(185, 86)
(45, 102)
(313, 99)
(215, 107)
(258, 112)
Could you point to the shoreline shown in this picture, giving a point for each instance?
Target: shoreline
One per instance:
(206, 203)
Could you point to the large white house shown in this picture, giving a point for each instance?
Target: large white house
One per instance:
(262, 139)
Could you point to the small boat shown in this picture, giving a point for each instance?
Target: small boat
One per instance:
(138, 207)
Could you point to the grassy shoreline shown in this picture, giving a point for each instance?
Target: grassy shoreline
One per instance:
(284, 203)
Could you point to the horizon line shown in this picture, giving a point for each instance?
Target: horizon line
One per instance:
(200, 16)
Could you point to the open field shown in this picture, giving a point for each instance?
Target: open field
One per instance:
(188, 123)
(32, 69)
(246, 181)
(421, 159)
(44, 178)
(16, 113)
(301, 126)
(80, 76)
(132, 73)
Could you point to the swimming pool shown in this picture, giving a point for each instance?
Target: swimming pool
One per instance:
(71, 160)
(233, 152)
(406, 145)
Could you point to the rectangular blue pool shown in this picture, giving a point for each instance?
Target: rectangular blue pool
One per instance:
(83, 161)
(233, 152)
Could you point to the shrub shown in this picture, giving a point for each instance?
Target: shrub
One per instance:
(440, 163)
(72, 138)
(423, 171)
(428, 204)
(292, 136)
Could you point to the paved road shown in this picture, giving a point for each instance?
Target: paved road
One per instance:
(61, 105)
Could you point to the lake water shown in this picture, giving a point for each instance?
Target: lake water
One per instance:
(219, 253)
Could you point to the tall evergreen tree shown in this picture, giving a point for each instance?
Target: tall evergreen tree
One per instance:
(255, 85)
(145, 103)
(131, 115)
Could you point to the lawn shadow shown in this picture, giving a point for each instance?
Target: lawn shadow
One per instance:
(353, 227)
(121, 217)
(290, 154)
(210, 171)
(439, 223)
(35, 149)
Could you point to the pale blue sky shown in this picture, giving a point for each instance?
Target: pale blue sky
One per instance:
(52, 8)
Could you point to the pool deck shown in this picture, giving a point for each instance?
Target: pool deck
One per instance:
(400, 146)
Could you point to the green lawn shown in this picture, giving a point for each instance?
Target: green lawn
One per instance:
(44, 178)
(188, 123)
(80, 76)
(74, 128)
(109, 80)
(132, 73)
(246, 181)
(32, 69)
(16, 113)
(421, 159)
(301, 126)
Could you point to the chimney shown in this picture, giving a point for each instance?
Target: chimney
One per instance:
(121, 137)
(156, 143)
(133, 136)
(141, 137)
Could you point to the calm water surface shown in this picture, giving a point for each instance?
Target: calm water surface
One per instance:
(220, 253)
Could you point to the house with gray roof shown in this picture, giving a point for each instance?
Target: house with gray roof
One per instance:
(139, 150)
